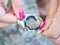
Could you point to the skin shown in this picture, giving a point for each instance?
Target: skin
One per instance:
(9, 18)
(6, 19)
(52, 19)
(52, 30)
(18, 5)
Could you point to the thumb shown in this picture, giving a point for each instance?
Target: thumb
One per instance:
(8, 18)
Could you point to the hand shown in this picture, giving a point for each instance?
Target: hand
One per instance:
(18, 5)
(6, 19)
(53, 22)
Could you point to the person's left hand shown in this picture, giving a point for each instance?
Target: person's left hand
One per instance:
(17, 5)
(53, 22)
(6, 19)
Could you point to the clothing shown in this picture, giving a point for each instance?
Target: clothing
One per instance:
(12, 36)
(15, 35)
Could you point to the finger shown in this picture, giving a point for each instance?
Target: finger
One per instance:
(3, 25)
(55, 26)
(57, 41)
(2, 11)
(51, 12)
(46, 34)
(53, 31)
(8, 18)
(4, 3)
(50, 34)
(17, 6)
(57, 20)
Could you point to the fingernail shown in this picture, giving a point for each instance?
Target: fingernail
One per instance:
(42, 26)
(21, 15)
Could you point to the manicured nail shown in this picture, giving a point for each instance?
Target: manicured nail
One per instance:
(42, 26)
(21, 15)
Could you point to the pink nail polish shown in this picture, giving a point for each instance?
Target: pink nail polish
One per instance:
(42, 26)
(21, 15)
